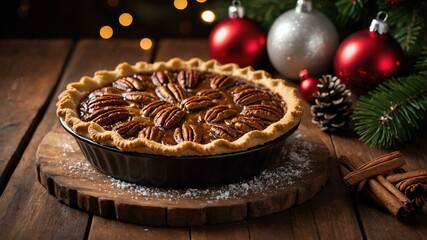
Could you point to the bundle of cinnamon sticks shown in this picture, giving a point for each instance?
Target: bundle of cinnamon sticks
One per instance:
(386, 182)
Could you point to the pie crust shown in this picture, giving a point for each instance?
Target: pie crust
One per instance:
(70, 99)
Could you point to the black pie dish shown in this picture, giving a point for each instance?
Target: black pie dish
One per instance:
(179, 172)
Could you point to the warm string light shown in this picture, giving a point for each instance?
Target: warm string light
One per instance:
(125, 19)
(146, 44)
(208, 16)
(106, 32)
(180, 4)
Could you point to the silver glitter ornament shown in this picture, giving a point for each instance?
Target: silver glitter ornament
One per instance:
(302, 38)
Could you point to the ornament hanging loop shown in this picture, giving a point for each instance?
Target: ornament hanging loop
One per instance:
(304, 6)
(236, 10)
(379, 25)
(384, 14)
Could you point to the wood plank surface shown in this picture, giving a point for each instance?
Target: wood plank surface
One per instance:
(112, 229)
(332, 208)
(274, 226)
(182, 48)
(27, 211)
(29, 71)
(228, 231)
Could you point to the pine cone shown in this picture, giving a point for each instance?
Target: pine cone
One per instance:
(332, 108)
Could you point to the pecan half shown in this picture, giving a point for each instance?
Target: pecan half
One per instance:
(128, 84)
(152, 132)
(218, 113)
(195, 103)
(224, 131)
(241, 88)
(160, 78)
(188, 79)
(168, 117)
(108, 115)
(105, 91)
(105, 100)
(278, 104)
(188, 132)
(171, 92)
(268, 112)
(247, 124)
(222, 82)
(141, 97)
(210, 93)
(249, 96)
(153, 108)
(141, 77)
(128, 129)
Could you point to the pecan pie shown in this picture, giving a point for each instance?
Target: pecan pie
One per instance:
(180, 108)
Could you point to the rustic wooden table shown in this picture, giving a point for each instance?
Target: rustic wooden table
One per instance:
(33, 72)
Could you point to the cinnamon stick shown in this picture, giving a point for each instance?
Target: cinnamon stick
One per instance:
(379, 165)
(383, 158)
(411, 184)
(421, 175)
(391, 203)
(359, 162)
(394, 191)
(379, 188)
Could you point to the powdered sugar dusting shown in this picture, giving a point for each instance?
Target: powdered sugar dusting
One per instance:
(291, 167)
(77, 166)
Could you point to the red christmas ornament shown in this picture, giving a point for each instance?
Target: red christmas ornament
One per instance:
(366, 58)
(308, 86)
(237, 39)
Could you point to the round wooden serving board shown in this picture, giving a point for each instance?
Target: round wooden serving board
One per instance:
(295, 176)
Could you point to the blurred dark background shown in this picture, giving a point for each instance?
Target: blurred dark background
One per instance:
(84, 18)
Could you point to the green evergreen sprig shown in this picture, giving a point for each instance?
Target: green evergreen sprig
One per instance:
(421, 64)
(266, 11)
(391, 113)
(406, 23)
(349, 9)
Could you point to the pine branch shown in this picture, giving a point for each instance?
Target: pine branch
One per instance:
(421, 64)
(406, 23)
(390, 114)
(349, 9)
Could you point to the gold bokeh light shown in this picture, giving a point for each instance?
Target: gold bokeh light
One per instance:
(125, 19)
(208, 16)
(201, 1)
(106, 32)
(146, 44)
(180, 4)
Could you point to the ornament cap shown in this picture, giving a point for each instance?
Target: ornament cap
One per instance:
(378, 24)
(236, 10)
(304, 6)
